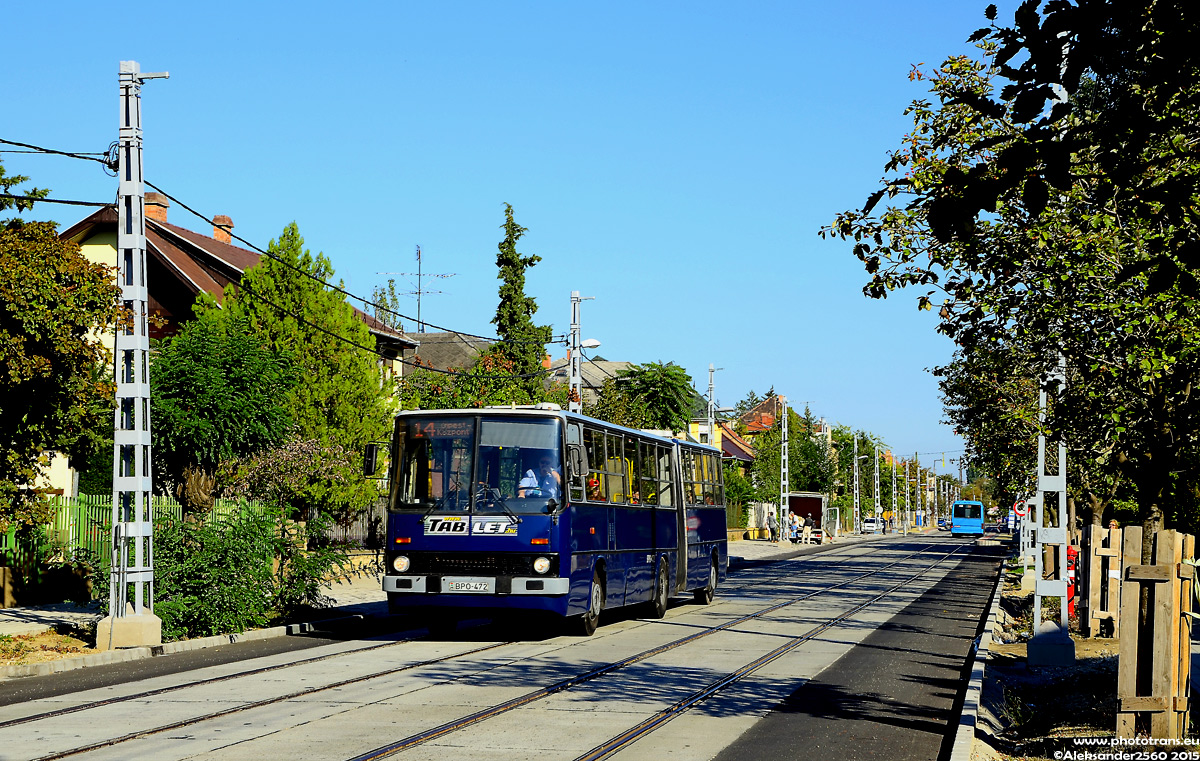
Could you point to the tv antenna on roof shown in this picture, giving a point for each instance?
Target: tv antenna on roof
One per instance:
(418, 287)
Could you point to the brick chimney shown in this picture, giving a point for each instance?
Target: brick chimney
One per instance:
(546, 362)
(221, 227)
(156, 207)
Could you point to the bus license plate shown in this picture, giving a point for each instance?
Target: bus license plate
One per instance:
(468, 585)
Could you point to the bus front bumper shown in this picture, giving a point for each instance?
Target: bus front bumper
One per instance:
(476, 585)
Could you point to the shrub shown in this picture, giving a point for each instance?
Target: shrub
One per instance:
(249, 569)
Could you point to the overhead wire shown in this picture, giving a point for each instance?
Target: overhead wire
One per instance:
(293, 315)
(14, 197)
(343, 291)
(38, 149)
(109, 162)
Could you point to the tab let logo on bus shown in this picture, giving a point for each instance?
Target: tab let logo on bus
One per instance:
(453, 525)
(457, 525)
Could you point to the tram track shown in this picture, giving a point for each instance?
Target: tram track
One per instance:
(253, 672)
(462, 723)
(451, 726)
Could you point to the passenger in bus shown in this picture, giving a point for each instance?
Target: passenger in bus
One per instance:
(542, 481)
(594, 492)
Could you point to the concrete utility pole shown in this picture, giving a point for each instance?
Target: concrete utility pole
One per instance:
(906, 488)
(895, 508)
(712, 406)
(878, 507)
(131, 625)
(576, 402)
(1051, 646)
(783, 465)
(857, 525)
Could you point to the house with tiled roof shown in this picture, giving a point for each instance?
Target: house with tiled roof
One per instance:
(181, 264)
(593, 373)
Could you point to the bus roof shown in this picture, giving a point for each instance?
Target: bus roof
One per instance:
(544, 412)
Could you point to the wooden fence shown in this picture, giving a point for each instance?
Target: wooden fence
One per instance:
(1154, 667)
(1100, 581)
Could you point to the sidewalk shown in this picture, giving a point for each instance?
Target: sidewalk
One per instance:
(761, 549)
(364, 594)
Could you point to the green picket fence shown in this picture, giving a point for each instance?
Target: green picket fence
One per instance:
(85, 522)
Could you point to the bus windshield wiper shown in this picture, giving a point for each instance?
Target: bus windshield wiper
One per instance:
(498, 498)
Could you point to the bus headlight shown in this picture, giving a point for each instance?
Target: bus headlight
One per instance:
(541, 565)
(401, 563)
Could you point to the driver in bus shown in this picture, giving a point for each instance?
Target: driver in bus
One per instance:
(544, 481)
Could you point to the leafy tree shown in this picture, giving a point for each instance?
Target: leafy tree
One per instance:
(523, 344)
(739, 493)
(219, 394)
(1128, 130)
(615, 404)
(653, 395)
(1068, 275)
(388, 302)
(53, 304)
(340, 401)
(663, 390)
(811, 466)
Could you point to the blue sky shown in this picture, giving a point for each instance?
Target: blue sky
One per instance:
(673, 160)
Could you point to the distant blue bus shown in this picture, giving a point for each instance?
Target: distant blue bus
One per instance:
(966, 517)
(536, 509)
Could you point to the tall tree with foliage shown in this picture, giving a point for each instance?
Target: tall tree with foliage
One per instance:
(1074, 274)
(523, 343)
(652, 395)
(340, 399)
(55, 390)
(219, 394)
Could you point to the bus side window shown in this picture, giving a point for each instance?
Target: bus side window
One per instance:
(647, 475)
(614, 469)
(631, 470)
(593, 443)
(690, 492)
(712, 481)
(665, 493)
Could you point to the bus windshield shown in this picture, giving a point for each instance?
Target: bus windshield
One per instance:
(966, 511)
(484, 465)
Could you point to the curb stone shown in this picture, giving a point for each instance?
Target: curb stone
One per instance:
(964, 738)
(138, 653)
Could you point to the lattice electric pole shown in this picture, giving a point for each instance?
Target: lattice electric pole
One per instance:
(783, 465)
(132, 516)
(1050, 531)
(878, 507)
(857, 524)
(575, 403)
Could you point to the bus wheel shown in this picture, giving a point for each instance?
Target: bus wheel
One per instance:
(704, 596)
(587, 623)
(658, 603)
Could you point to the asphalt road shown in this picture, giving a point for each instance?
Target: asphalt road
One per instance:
(896, 694)
(885, 680)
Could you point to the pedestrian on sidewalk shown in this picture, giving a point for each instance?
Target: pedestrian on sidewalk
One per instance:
(773, 526)
(808, 526)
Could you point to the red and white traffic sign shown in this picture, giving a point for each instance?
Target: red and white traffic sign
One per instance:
(1019, 508)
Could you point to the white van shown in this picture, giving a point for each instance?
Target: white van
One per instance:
(870, 525)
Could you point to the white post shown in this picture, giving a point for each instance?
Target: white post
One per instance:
(783, 465)
(132, 513)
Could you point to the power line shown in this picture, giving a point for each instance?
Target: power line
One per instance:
(55, 200)
(343, 291)
(106, 161)
(376, 352)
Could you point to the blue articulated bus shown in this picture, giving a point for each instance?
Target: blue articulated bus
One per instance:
(536, 509)
(966, 517)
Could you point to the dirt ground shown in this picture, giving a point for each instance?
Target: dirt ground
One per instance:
(21, 649)
(1033, 711)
